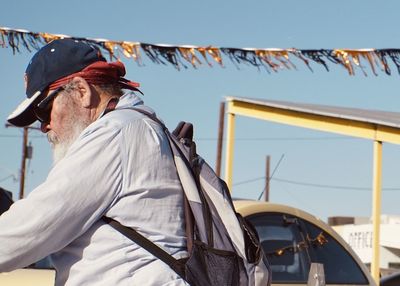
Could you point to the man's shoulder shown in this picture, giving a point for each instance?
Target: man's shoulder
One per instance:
(121, 120)
(121, 117)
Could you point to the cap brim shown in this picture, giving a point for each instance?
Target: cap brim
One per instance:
(23, 115)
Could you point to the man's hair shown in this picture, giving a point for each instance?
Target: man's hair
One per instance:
(108, 89)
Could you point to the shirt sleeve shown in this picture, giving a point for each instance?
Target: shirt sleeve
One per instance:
(76, 193)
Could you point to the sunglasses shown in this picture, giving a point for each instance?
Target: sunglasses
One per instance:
(43, 108)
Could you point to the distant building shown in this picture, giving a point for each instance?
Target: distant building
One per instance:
(358, 233)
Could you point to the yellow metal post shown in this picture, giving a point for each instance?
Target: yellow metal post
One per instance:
(230, 136)
(376, 209)
(338, 124)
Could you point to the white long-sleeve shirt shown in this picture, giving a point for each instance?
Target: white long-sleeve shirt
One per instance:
(120, 166)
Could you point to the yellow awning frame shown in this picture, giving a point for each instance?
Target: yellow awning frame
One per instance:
(345, 125)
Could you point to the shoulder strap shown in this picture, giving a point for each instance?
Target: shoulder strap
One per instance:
(147, 244)
(183, 130)
(142, 241)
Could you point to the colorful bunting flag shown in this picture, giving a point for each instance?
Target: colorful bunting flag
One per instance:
(182, 56)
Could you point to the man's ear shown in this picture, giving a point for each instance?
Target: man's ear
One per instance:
(85, 93)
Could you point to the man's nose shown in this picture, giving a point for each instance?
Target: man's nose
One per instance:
(45, 127)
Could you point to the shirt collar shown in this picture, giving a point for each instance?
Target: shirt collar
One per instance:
(111, 104)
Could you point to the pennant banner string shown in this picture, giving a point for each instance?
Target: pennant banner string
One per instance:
(272, 60)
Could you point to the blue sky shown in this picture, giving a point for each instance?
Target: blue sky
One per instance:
(194, 95)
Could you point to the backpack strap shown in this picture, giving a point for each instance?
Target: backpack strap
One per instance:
(184, 131)
(151, 247)
(177, 265)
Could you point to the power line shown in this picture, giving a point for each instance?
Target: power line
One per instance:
(300, 200)
(26, 150)
(338, 187)
(322, 185)
(248, 181)
(19, 136)
(278, 138)
(273, 172)
(332, 186)
(9, 176)
(238, 139)
(6, 169)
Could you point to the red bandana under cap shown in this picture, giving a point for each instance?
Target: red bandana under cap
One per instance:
(100, 73)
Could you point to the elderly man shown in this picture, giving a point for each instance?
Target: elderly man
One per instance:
(109, 160)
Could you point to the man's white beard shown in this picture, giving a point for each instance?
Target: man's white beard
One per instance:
(61, 146)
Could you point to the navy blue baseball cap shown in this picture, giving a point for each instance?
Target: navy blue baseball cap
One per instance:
(53, 61)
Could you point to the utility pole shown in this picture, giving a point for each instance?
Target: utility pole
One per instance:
(23, 163)
(26, 154)
(220, 138)
(267, 178)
